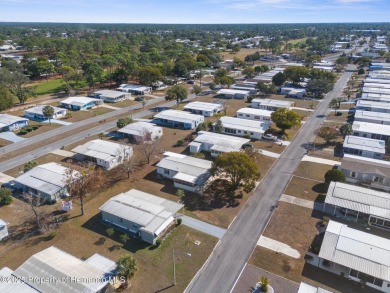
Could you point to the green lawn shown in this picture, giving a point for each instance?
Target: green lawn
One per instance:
(49, 87)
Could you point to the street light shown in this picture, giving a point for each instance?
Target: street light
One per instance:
(174, 263)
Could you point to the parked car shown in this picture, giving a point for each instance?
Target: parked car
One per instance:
(269, 137)
(247, 145)
(10, 185)
(191, 82)
(139, 99)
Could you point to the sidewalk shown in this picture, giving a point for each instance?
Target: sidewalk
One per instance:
(302, 109)
(302, 202)
(278, 246)
(203, 226)
(269, 154)
(320, 160)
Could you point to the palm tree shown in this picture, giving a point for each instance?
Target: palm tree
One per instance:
(48, 112)
(126, 266)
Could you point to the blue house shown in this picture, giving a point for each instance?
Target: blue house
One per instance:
(178, 119)
(11, 123)
(80, 103)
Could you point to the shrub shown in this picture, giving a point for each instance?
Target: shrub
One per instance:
(180, 142)
(179, 220)
(246, 136)
(180, 193)
(110, 232)
(210, 124)
(22, 132)
(361, 71)
(124, 238)
(201, 126)
(249, 99)
(334, 175)
(5, 196)
(198, 155)
(35, 127)
(158, 242)
(52, 234)
(29, 129)
(249, 186)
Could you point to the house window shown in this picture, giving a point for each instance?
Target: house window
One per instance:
(378, 282)
(247, 115)
(166, 171)
(353, 174)
(240, 115)
(251, 133)
(257, 117)
(120, 220)
(245, 132)
(354, 273)
(378, 179)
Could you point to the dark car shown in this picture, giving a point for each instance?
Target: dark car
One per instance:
(139, 99)
(191, 82)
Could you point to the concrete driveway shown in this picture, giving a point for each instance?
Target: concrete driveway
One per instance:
(10, 136)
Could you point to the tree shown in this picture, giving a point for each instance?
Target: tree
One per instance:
(335, 176)
(249, 71)
(237, 167)
(218, 127)
(147, 146)
(5, 196)
(342, 60)
(327, 133)
(361, 71)
(126, 267)
(296, 73)
(122, 122)
(225, 81)
(110, 232)
(177, 92)
(180, 193)
(286, 119)
(6, 99)
(48, 112)
(346, 129)
(335, 104)
(319, 87)
(212, 86)
(196, 90)
(34, 202)
(279, 79)
(92, 73)
(81, 181)
(148, 75)
(29, 165)
(129, 163)
(387, 146)
(16, 82)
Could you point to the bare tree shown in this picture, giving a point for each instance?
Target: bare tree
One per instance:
(148, 147)
(34, 202)
(81, 181)
(129, 163)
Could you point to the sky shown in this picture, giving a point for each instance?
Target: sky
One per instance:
(195, 11)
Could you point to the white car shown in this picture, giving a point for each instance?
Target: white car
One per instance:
(269, 137)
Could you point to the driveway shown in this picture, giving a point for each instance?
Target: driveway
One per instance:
(10, 136)
(203, 227)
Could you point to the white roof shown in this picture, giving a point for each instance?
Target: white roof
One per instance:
(358, 250)
(134, 87)
(176, 115)
(39, 109)
(55, 263)
(376, 97)
(273, 103)
(253, 111)
(364, 144)
(221, 142)
(48, 178)
(109, 93)
(193, 170)
(373, 105)
(356, 198)
(376, 80)
(370, 115)
(102, 149)
(327, 68)
(201, 106)
(10, 286)
(139, 128)
(244, 124)
(79, 101)
(306, 288)
(371, 127)
(6, 119)
(293, 90)
(377, 85)
(147, 210)
(376, 90)
(232, 92)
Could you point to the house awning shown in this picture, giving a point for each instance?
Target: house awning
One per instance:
(185, 177)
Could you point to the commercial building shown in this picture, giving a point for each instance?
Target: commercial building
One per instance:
(187, 172)
(178, 119)
(233, 94)
(111, 96)
(365, 147)
(36, 113)
(141, 131)
(254, 114)
(372, 117)
(80, 103)
(11, 123)
(270, 104)
(243, 127)
(216, 143)
(135, 89)
(141, 214)
(103, 153)
(202, 108)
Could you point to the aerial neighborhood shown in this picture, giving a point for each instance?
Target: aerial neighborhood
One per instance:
(200, 158)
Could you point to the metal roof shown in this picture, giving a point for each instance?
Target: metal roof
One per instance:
(376, 97)
(366, 165)
(10, 286)
(79, 101)
(139, 128)
(306, 288)
(102, 149)
(232, 92)
(201, 106)
(147, 210)
(194, 167)
(221, 142)
(359, 199)
(377, 85)
(39, 109)
(6, 119)
(371, 127)
(376, 90)
(254, 111)
(55, 263)
(244, 124)
(134, 87)
(373, 105)
(364, 144)
(109, 93)
(358, 250)
(377, 116)
(181, 116)
(48, 178)
(273, 103)
(376, 80)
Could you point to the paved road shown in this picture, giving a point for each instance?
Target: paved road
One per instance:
(229, 257)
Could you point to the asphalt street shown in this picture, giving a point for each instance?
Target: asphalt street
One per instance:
(230, 255)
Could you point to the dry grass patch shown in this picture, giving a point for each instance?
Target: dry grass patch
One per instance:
(226, 55)
(312, 170)
(300, 103)
(307, 189)
(82, 115)
(124, 104)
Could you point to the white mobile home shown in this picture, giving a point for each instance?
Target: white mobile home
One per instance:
(80, 103)
(365, 147)
(376, 97)
(306, 288)
(377, 85)
(293, 92)
(36, 113)
(11, 122)
(110, 96)
(141, 214)
(135, 89)
(3, 229)
(141, 131)
(201, 108)
(245, 87)
(375, 90)
(254, 114)
(103, 153)
(216, 143)
(187, 172)
(373, 106)
(366, 171)
(178, 119)
(371, 130)
(376, 80)
(270, 104)
(356, 255)
(233, 94)
(243, 127)
(372, 117)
